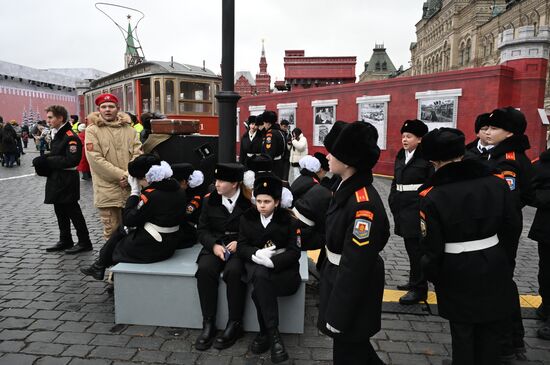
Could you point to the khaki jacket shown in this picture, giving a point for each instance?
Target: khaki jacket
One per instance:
(109, 148)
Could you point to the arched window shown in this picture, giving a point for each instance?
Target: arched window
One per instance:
(377, 66)
(384, 66)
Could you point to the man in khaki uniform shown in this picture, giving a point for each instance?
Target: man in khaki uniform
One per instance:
(111, 143)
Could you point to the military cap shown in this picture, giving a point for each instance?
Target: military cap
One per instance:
(443, 144)
(232, 172)
(355, 145)
(509, 119)
(270, 185)
(415, 126)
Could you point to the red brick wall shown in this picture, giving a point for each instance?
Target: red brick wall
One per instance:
(483, 89)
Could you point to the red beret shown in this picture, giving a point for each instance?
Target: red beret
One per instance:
(104, 98)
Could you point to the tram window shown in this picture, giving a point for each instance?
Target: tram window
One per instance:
(169, 97)
(190, 107)
(145, 87)
(118, 92)
(129, 90)
(194, 91)
(157, 96)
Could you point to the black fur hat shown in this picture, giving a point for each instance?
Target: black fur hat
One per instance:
(482, 120)
(322, 159)
(232, 172)
(509, 119)
(139, 167)
(260, 163)
(443, 144)
(252, 120)
(269, 116)
(270, 185)
(182, 170)
(356, 145)
(334, 131)
(415, 126)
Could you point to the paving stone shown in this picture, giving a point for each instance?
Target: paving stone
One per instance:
(78, 350)
(110, 340)
(14, 334)
(139, 330)
(73, 338)
(15, 323)
(47, 314)
(151, 356)
(408, 359)
(11, 346)
(44, 348)
(17, 312)
(42, 336)
(45, 324)
(391, 346)
(206, 359)
(111, 352)
(146, 343)
(182, 358)
(17, 359)
(90, 362)
(72, 326)
(48, 360)
(427, 348)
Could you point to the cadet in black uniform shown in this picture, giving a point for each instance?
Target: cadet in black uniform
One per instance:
(540, 232)
(479, 148)
(411, 170)
(251, 141)
(357, 227)
(150, 219)
(269, 246)
(192, 182)
(287, 135)
(469, 225)
(218, 233)
(63, 183)
(274, 142)
(328, 179)
(506, 131)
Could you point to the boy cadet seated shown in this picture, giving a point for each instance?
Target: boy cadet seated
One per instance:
(151, 216)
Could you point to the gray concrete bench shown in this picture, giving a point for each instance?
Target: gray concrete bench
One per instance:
(165, 294)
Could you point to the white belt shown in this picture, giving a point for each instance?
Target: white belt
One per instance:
(459, 247)
(408, 187)
(301, 217)
(155, 230)
(278, 251)
(252, 154)
(333, 258)
(277, 158)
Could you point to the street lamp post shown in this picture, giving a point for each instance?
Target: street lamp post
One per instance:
(227, 97)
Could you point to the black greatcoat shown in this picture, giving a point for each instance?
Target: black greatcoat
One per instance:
(510, 159)
(253, 146)
(216, 225)
(161, 203)
(404, 204)
(540, 230)
(63, 182)
(281, 232)
(464, 201)
(303, 183)
(357, 227)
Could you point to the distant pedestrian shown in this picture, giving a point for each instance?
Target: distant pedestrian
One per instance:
(298, 150)
(62, 184)
(9, 145)
(111, 143)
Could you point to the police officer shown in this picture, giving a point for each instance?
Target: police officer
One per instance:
(251, 141)
(468, 225)
(411, 170)
(218, 233)
(479, 148)
(506, 132)
(150, 219)
(540, 232)
(269, 246)
(274, 142)
(63, 183)
(357, 228)
(192, 182)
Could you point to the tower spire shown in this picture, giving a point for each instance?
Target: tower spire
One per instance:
(263, 48)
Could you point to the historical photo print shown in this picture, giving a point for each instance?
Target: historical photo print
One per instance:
(324, 114)
(437, 113)
(323, 119)
(288, 114)
(375, 114)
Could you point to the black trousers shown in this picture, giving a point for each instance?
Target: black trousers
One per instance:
(544, 272)
(278, 168)
(513, 331)
(66, 213)
(208, 275)
(267, 286)
(416, 279)
(476, 343)
(105, 258)
(354, 353)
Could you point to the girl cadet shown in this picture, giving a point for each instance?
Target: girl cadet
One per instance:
(151, 216)
(411, 171)
(357, 229)
(218, 232)
(270, 247)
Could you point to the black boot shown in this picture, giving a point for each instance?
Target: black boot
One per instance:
(413, 297)
(260, 344)
(230, 335)
(278, 351)
(97, 271)
(205, 339)
(79, 247)
(407, 287)
(60, 246)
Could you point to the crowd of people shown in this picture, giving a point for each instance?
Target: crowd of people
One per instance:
(457, 207)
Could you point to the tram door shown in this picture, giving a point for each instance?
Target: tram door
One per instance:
(144, 94)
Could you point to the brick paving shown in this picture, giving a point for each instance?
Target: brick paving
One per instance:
(51, 315)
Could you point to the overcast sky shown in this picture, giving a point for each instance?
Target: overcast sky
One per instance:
(73, 33)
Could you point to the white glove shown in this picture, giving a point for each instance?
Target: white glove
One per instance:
(135, 189)
(265, 253)
(263, 261)
(332, 329)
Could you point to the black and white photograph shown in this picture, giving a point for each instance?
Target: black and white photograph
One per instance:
(437, 113)
(324, 115)
(375, 114)
(288, 114)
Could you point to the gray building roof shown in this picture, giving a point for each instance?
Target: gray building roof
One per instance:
(247, 75)
(380, 62)
(79, 73)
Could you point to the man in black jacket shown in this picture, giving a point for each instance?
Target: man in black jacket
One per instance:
(468, 226)
(274, 142)
(479, 148)
(63, 183)
(251, 141)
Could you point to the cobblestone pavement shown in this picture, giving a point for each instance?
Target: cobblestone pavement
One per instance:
(50, 314)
